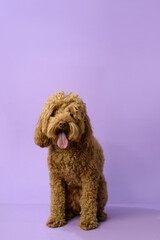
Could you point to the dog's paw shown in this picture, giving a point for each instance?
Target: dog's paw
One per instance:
(88, 224)
(55, 222)
(102, 216)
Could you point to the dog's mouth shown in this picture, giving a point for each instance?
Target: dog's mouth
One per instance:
(62, 140)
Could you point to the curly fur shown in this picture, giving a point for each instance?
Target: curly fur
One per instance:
(77, 182)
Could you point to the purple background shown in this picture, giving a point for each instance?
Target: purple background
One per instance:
(109, 53)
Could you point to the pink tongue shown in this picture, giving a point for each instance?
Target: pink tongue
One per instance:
(62, 141)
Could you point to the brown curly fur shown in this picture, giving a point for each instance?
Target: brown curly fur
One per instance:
(77, 182)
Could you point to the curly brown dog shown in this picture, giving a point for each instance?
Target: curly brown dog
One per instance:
(75, 162)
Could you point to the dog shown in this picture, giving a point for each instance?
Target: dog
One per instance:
(75, 162)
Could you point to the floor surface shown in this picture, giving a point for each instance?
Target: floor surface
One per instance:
(127, 223)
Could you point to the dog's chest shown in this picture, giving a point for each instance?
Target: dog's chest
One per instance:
(71, 178)
(69, 167)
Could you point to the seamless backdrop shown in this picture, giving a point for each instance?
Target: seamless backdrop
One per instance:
(106, 51)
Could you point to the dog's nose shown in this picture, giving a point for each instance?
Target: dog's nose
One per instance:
(62, 124)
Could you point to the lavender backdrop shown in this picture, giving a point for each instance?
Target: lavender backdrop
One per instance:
(109, 53)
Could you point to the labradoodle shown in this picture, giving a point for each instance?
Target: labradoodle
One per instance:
(75, 161)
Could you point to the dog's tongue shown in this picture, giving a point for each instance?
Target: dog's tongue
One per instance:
(62, 141)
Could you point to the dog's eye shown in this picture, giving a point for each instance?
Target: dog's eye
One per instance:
(71, 115)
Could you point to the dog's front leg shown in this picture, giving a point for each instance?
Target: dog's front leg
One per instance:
(57, 207)
(88, 219)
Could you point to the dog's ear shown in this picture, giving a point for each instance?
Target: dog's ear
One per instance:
(39, 137)
(86, 137)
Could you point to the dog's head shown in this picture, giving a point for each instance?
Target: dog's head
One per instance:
(63, 120)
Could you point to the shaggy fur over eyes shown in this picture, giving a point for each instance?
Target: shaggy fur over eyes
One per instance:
(75, 162)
